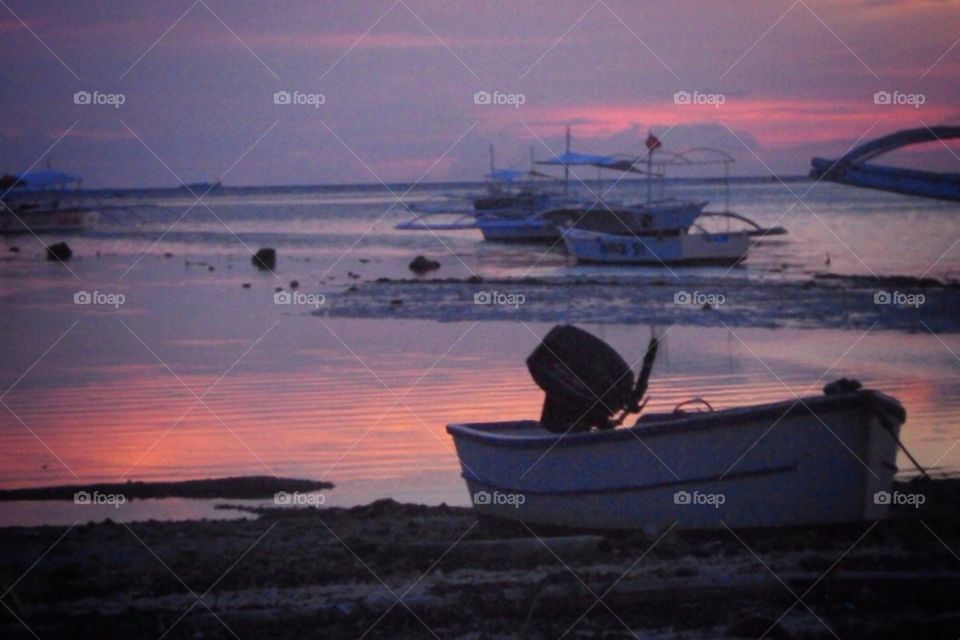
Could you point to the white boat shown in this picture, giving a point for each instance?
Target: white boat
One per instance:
(694, 247)
(824, 459)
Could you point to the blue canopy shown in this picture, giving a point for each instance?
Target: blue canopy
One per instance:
(571, 158)
(626, 164)
(46, 179)
(509, 175)
(506, 175)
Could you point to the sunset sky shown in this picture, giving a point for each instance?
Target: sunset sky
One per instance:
(198, 79)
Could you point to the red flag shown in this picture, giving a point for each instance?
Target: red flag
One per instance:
(653, 143)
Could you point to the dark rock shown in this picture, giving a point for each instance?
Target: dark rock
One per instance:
(245, 285)
(265, 259)
(364, 260)
(278, 289)
(474, 279)
(396, 301)
(352, 287)
(421, 264)
(167, 255)
(60, 252)
(14, 249)
(353, 275)
(210, 268)
(294, 284)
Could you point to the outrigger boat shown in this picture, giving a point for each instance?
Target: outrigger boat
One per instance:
(659, 231)
(507, 210)
(820, 459)
(33, 203)
(854, 168)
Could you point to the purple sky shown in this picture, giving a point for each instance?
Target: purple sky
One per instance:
(198, 81)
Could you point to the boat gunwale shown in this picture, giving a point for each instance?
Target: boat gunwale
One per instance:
(862, 399)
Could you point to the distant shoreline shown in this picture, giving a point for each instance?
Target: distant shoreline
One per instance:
(404, 186)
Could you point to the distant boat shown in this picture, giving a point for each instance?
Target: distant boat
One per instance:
(33, 203)
(854, 169)
(507, 210)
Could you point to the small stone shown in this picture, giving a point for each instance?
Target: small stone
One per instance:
(265, 259)
(14, 249)
(245, 285)
(474, 279)
(59, 252)
(278, 289)
(210, 268)
(396, 301)
(420, 264)
(294, 284)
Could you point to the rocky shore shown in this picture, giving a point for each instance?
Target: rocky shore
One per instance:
(390, 570)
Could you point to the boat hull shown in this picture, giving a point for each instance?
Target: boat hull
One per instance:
(784, 464)
(679, 249)
(528, 229)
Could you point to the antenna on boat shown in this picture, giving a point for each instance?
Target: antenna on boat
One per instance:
(638, 402)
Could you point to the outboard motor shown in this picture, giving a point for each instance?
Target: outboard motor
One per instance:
(585, 380)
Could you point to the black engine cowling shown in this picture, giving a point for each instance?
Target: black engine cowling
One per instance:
(585, 380)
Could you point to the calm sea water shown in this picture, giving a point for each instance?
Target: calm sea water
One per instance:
(101, 393)
(862, 232)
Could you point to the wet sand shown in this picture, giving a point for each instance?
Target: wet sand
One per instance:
(408, 571)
